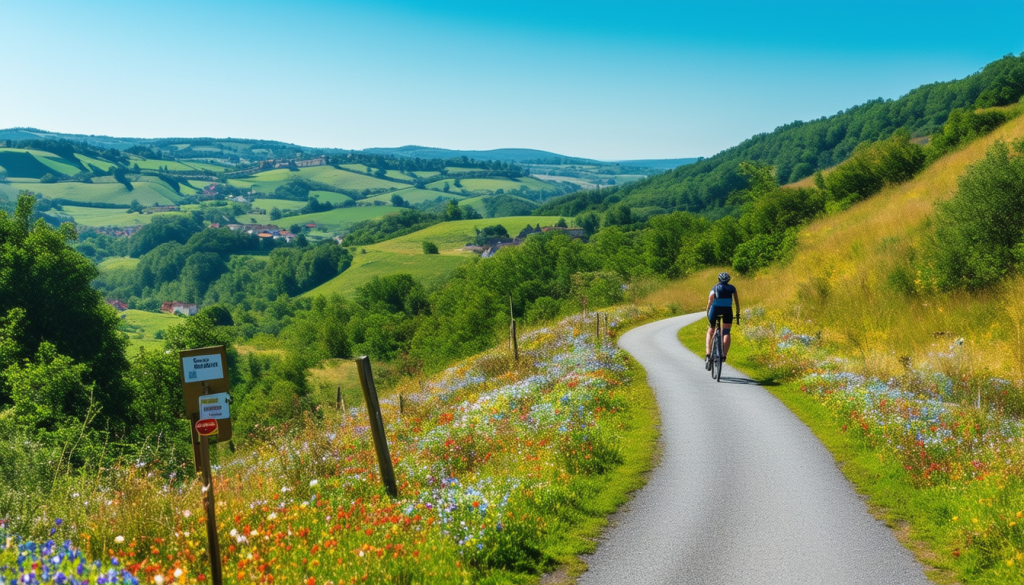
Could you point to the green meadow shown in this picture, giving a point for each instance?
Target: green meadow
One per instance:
(428, 269)
(144, 192)
(338, 218)
(330, 197)
(100, 217)
(405, 254)
(282, 204)
(414, 195)
(141, 327)
(492, 185)
(100, 164)
(268, 181)
(118, 263)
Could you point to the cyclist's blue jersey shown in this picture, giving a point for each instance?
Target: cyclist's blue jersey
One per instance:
(721, 295)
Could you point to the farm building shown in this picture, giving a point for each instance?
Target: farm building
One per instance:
(187, 309)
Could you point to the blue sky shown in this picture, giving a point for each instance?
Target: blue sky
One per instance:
(608, 80)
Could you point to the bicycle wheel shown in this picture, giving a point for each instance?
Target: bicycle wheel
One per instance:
(716, 355)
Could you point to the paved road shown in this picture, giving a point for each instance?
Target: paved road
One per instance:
(744, 493)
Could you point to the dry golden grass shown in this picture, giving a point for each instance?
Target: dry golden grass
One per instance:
(837, 282)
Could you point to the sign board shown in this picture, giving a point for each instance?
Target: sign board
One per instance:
(207, 426)
(215, 406)
(201, 368)
(204, 372)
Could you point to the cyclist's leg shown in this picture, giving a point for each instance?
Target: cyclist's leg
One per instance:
(711, 333)
(726, 327)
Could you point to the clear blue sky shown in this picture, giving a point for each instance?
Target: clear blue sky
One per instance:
(608, 80)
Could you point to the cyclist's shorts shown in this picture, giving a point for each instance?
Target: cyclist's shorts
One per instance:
(725, 312)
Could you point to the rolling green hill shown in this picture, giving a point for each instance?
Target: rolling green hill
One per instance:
(405, 253)
(267, 181)
(146, 193)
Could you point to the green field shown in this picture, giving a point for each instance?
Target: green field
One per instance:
(267, 181)
(330, 197)
(100, 164)
(405, 254)
(485, 186)
(282, 204)
(427, 269)
(451, 236)
(97, 217)
(141, 328)
(174, 165)
(117, 263)
(335, 220)
(414, 195)
(145, 193)
(33, 164)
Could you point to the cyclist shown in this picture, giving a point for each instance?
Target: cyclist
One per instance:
(720, 303)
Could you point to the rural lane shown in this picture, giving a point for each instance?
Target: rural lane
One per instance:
(743, 493)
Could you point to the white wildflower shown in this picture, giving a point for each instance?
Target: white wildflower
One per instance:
(313, 482)
(119, 539)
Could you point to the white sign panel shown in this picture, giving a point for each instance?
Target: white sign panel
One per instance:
(215, 406)
(199, 368)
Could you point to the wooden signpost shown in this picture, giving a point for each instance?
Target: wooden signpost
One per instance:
(380, 438)
(204, 381)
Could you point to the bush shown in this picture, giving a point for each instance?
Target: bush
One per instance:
(978, 231)
(430, 248)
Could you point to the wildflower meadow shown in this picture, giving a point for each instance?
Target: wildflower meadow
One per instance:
(499, 465)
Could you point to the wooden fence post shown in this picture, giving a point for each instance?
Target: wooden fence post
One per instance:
(380, 439)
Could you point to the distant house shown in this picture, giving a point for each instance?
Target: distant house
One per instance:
(312, 162)
(187, 309)
(311, 226)
(214, 225)
(118, 305)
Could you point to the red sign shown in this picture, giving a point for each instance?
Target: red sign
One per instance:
(207, 426)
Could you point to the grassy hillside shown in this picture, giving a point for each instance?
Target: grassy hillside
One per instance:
(145, 193)
(267, 181)
(841, 267)
(336, 219)
(99, 217)
(405, 254)
(413, 196)
(142, 328)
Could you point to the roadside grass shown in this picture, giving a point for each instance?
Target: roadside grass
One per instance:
(919, 518)
(937, 450)
(504, 471)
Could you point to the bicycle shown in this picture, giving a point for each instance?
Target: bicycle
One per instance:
(716, 351)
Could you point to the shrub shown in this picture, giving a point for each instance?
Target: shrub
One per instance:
(978, 231)
(430, 248)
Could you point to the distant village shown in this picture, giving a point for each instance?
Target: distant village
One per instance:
(491, 247)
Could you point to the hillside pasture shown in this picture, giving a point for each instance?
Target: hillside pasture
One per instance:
(335, 220)
(117, 263)
(147, 194)
(268, 181)
(427, 268)
(20, 163)
(59, 165)
(451, 236)
(98, 163)
(414, 195)
(330, 197)
(141, 327)
(491, 186)
(101, 217)
(282, 204)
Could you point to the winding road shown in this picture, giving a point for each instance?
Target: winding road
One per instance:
(744, 492)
